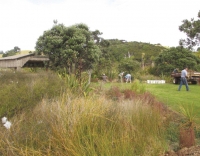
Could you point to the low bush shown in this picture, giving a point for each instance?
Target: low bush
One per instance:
(138, 87)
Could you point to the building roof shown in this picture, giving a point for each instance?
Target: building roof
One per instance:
(16, 56)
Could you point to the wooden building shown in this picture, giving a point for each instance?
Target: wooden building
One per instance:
(26, 60)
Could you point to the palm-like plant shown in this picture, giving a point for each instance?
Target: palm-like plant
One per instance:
(187, 135)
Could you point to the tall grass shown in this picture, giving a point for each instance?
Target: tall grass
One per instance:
(56, 115)
(22, 91)
(74, 85)
(79, 126)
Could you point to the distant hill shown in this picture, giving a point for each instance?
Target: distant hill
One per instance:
(22, 52)
(119, 49)
(25, 51)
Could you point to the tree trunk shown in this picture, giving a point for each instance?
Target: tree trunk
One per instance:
(89, 75)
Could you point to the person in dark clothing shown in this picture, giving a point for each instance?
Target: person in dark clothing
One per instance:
(104, 77)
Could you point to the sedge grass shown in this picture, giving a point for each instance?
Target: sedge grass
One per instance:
(79, 126)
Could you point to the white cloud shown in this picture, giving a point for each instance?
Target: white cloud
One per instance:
(155, 21)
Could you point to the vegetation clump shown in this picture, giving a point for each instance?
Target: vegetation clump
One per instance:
(65, 123)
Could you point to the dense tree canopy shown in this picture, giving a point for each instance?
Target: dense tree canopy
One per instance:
(175, 57)
(16, 49)
(192, 30)
(116, 53)
(129, 65)
(119, 49)
(66, 46)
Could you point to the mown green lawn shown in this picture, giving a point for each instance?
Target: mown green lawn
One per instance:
(170, 96)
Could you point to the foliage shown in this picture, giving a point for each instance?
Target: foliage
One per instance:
(127, 56)
(11, 52)
(143, 77)
(107, 67)
(85, 126)
(68, 124)
(192, 29)
(129, 65)
(22, 91)
(187, 134)
(175, 57)
(66, 46)
(72, 84)
(16, 49)
(118, 50)
(114, 93)
(188, 113)
(138, 87)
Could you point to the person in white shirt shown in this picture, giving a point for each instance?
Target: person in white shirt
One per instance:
(184, 79)
(128, 78)
(121, 76)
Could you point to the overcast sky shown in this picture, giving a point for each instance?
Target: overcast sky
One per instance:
(150, 21)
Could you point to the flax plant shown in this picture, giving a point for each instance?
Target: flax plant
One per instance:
(189, 116)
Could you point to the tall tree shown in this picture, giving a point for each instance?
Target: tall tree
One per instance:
(129, 65)
(16, 49)
(192, 30)
(66, 46)
(175, 57)
(142, 59)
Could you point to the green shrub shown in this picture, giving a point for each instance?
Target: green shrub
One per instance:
(138, 87)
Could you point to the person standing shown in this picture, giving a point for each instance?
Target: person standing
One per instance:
(104, 77)
(121, 76)
(184, 79)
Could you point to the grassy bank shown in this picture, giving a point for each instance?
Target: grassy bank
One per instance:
(86, 126)
(51, 116)
(167, 93)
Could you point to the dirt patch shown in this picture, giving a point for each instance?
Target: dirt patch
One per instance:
(192, 151)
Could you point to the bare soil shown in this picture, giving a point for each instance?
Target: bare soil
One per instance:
(192, 151)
